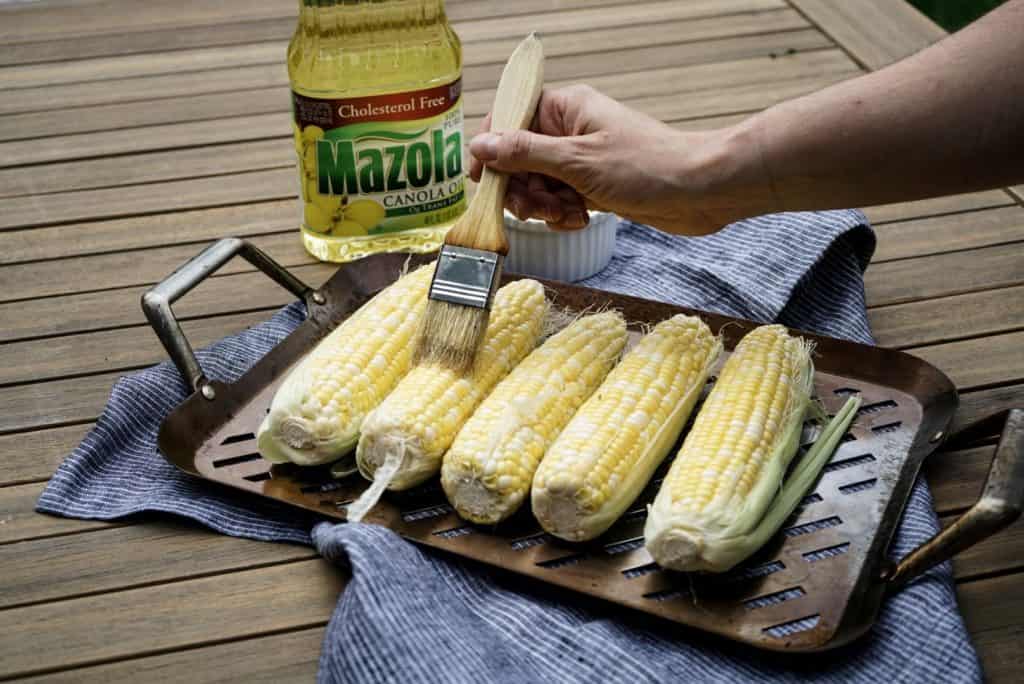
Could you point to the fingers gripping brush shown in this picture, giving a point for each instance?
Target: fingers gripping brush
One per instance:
(469, 264)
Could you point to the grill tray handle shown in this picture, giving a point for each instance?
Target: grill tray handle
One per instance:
(1000, 504)
(156, 302)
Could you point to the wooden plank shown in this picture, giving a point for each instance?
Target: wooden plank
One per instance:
(124, 269)
(50, 4)
(110, 309)
(83, 19)
(125, 668)
(937, 206)
(979, 361)
(277, 152)
(75, 22)
(102, 172)
(143, 232)
(556, 45)
(132, 140)
(933, 320)
(144, 42)
(747, 97)
(123, 557)
(195, 107)
(170, 616)
(288, 657)
(241, 103)
(84, 205)
(956, 477)
(999, 651)
(588, 17)
(111, 117)
(106, 172)
(981, 403)
(942, 275)
(294, 654)
(273, 184)
(122, 349)
(133, 66)
(209, 165)
(34, 456)
(19, 521)
(155, 230)
(875, 32)
(280, 29)
(1002, 552)
(756, 71)
(278, 8)
(51, 404)
(938, 234)
(672, 82)
(888, 283)
(992, 610)
(224, 80)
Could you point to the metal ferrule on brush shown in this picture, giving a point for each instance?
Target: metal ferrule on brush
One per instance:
(464, 276)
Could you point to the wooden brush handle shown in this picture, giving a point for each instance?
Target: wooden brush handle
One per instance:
(482, 226)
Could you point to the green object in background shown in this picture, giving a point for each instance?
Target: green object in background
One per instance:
(953, 15)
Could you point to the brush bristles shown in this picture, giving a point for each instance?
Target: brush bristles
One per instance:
(450, 336)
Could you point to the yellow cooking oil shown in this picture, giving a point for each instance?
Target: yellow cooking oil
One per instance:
(377, 117)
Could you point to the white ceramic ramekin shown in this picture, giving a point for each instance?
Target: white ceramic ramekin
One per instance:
(536, 250)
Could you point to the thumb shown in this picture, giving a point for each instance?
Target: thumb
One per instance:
(518, 150)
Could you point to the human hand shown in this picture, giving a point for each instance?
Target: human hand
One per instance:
(585, 150)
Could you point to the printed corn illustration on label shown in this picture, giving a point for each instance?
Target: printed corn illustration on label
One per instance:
(380, 164)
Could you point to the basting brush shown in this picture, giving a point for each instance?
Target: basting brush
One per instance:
(469, 265)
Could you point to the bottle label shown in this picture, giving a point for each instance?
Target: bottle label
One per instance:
(380, 164)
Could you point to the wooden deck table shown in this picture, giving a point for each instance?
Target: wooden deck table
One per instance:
(132, 134)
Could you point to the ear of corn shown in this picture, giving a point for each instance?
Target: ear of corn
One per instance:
(418, 421)
(614, 443)
(730, 467)
(316, 413)
(487, 472)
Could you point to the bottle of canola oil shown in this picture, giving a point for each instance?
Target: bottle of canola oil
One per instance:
(377, 116)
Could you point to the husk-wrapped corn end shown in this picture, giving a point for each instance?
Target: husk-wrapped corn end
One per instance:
(317, 411)
(411, 429)
(612, 446)
(723, 496)
(487, 472)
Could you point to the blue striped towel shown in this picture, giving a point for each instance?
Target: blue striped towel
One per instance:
(411, 614)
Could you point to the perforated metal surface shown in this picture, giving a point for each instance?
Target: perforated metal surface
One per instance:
(812, 587)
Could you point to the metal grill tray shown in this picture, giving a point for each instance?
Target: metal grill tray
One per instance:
(815, 586)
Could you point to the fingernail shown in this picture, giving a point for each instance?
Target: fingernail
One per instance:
(484, 147)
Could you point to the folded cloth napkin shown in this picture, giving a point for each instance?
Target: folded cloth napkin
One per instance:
(412, 614)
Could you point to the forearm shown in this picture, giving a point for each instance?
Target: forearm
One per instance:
(947, 120)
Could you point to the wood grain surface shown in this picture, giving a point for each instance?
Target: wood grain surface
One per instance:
(133, 134)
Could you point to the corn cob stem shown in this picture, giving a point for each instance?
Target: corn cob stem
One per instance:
(729, 472)
(795, 488)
